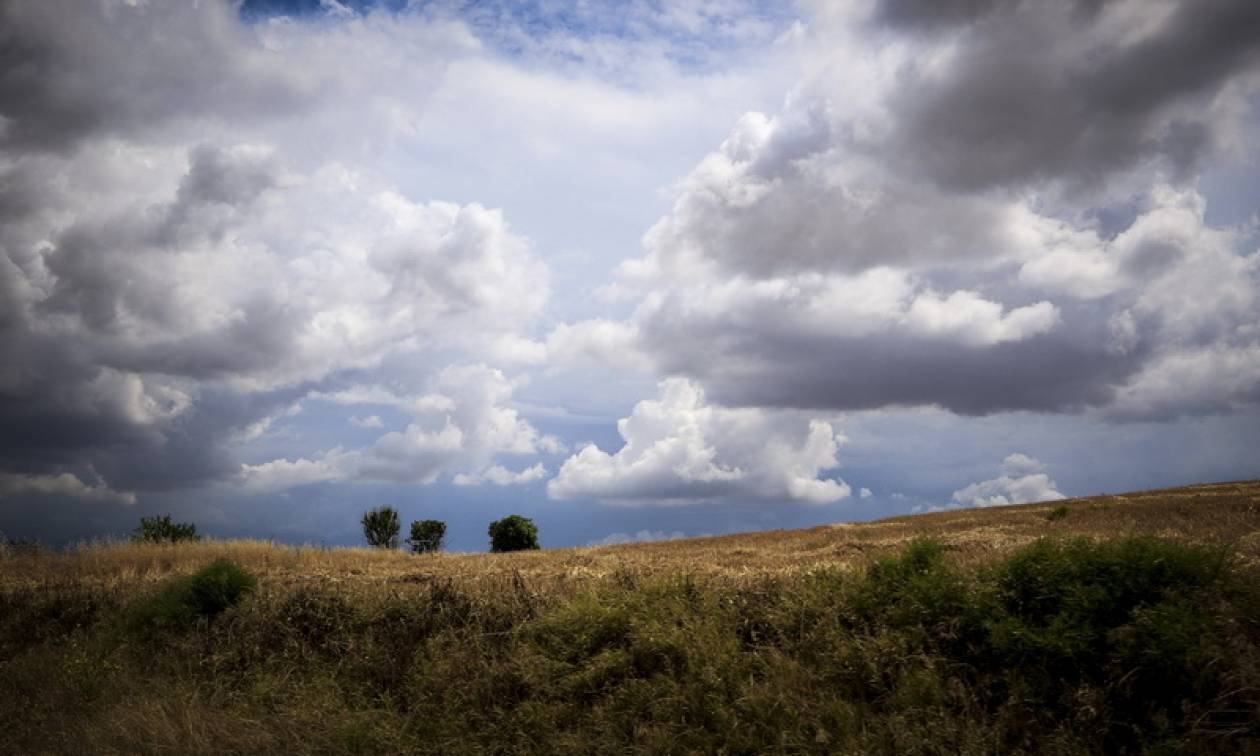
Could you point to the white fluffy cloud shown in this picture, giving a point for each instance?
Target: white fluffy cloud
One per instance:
(459, 428)
(1022, 482)
(501, 476)
(641, 536)
(679, 449)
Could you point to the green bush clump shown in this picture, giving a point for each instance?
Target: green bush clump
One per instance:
(161, 530)
(1133, 618)
(1127, 631)
(427, 536)
(513, 533)
(1056, 514)
(916, 592)
(380, 527)
(196, 598)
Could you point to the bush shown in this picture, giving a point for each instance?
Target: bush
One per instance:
(202, 596)
(1056, 514)
(381, 526)
(916, 592)
(161, 530)
(1133, 620)
(427, 536)
(513, 533)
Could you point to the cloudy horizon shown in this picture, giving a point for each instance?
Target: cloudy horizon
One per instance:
(638, 271)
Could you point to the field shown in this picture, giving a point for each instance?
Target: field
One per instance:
(1127, 623)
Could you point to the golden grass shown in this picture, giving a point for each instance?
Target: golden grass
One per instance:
(1220, 513)
(357, 650)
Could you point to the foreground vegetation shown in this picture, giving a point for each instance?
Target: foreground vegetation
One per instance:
(1047, 639)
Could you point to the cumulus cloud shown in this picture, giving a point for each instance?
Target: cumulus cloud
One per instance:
(170, 298)
(501, 476)
(203, 218)
(642, 536)
(679, 448)
(458, 427)
(601, 341)
(247, 282)
(1022, 482)
(982, 206)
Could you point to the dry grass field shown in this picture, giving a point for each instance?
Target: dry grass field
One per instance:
(1219, 513)
(911, 634)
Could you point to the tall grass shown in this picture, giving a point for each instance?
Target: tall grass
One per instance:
(1066, 646)
(1136, 628)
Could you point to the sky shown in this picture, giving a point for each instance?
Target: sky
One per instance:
(635, 270)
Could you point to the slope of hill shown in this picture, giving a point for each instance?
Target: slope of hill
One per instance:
(1105, 624)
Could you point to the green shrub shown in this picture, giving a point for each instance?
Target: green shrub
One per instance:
(513, 533)
(381, 526)
(198, 597)
(1100, 584)
(916, 591)
(1132, 619)
(1056, 514)
(427, 536)
(161, 530)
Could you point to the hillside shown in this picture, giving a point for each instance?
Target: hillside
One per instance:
(979, 630)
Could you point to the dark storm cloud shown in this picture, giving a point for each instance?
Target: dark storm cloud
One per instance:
(71, 70)
(107, 270)
(927, 14)
(1034, 92)
(1065, 370)
(1007, 221)
(82, 393)
(50, 430)
(945, 14)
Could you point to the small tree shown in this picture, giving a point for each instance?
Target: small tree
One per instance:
(513, 533)
(427, 535)
(161, 530)
(381, 526)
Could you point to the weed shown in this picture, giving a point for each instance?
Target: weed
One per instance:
(197, 598)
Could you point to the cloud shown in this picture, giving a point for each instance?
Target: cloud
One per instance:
(501, 476)
(225, 240)
(1021, 482)
(642, 536)
(63, 484)
(202, 219)
(981, 206)
(458, 427)
(679, 449)
(81, 69)
(281, 474)
(601, 341)
(865, 493)
(241, 282)
(1068, 92)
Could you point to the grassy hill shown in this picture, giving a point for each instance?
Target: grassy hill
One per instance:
(1126, 623)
